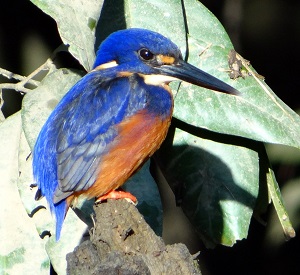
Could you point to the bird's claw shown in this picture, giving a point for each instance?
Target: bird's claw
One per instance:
(116, 195)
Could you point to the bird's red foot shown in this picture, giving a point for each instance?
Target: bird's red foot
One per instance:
(116, 195)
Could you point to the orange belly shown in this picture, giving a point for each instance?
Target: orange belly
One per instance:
(139, 137)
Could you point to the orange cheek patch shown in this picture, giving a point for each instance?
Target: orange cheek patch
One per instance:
(168, 60)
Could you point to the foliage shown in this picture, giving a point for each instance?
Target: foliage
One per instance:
(213, 158)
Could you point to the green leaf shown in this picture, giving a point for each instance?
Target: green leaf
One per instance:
(165, 17)
(282, 214)
(36, 107)
(256, 114)
(22, 250)
(76, 21)
(217, 192)
(274, 239)
(38, 104)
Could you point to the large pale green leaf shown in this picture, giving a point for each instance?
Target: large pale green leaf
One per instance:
(38, 104)
(36, 107)
(256, 114)
(76, 21)
(21, 249)
(165, 17)
(216, 183)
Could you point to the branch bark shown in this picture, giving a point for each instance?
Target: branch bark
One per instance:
(121, 242)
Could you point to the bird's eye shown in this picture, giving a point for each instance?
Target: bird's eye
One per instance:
(146, 54)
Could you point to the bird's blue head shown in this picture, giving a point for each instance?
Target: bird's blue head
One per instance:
(134, 46)
(135, 49)
(154, 57)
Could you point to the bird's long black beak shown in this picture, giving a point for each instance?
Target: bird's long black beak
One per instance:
(189, 73)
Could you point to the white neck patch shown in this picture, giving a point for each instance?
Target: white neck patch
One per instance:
(157, 79)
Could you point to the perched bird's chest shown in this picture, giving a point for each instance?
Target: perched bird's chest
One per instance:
(139, 135)
(155, 100)
(138, 139)
(148, 126)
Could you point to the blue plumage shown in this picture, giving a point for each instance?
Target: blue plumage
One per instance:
(90, 122)
(80, 130)
(123, 46)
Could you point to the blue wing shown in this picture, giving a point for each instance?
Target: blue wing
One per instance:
(78, 132)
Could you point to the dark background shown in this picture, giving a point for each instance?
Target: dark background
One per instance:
(266, 32)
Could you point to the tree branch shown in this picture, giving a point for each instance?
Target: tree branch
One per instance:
(11, 75)
(24, 80)
(122, 242)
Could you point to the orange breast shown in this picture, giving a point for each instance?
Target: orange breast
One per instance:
(139, 137)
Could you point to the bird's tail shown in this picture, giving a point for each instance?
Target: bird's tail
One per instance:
(60, 210)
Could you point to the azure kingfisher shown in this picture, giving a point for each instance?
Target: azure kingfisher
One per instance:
(112, 120)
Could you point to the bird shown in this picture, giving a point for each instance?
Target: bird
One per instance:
(112, 120)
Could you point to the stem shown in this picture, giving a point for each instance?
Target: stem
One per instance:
(16, 87)
(24, 80)
(11, 75)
